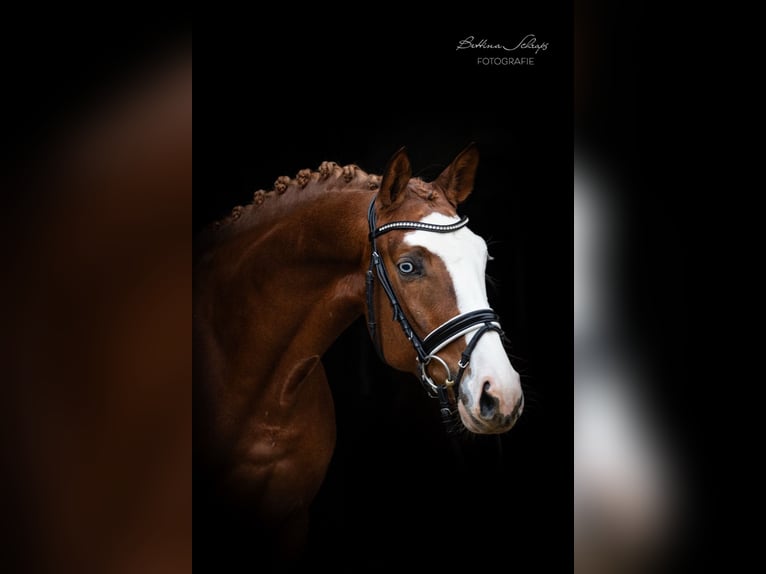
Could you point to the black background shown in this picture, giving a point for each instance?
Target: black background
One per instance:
(353, 88)
(276, 99)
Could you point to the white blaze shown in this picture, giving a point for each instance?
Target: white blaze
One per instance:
(464, 254)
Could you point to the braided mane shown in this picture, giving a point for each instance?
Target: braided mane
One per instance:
(288, 192)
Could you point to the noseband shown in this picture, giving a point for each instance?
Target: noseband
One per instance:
(481, 321)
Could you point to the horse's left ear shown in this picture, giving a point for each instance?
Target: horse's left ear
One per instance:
(457, 179)
(396, 176)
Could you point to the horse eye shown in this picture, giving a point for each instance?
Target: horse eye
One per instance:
(406, 267)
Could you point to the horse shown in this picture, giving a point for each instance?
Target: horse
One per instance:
(275, 284)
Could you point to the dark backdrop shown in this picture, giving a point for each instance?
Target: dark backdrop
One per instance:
(271, 103)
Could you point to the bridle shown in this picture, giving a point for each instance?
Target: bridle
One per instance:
(481, 320)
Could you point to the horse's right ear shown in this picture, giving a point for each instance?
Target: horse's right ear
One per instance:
(396, 176)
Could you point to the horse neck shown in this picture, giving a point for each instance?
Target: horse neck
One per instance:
(285, 290)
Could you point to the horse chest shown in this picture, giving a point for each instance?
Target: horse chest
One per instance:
(287, 444)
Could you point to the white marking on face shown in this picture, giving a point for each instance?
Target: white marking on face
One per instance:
(464, 254)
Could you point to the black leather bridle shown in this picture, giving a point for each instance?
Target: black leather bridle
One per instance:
(481, 320)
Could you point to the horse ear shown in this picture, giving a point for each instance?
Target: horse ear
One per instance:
(396, 176)
(457, 179)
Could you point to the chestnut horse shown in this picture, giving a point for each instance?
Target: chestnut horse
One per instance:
(279, 280)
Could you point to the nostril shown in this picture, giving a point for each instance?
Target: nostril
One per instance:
(487, 403)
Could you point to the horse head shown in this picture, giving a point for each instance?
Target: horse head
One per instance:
(430, 268)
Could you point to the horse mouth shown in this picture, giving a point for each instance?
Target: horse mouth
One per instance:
(496, 425)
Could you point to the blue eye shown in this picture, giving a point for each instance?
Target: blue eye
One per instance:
(406, 267)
